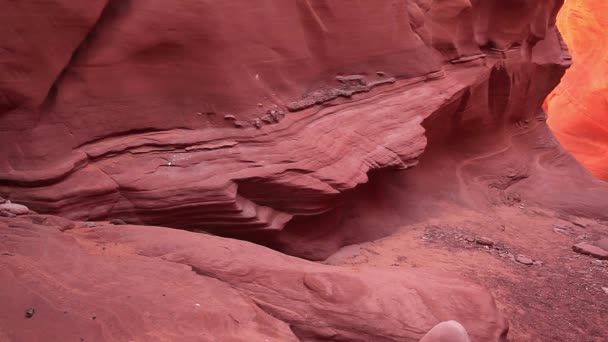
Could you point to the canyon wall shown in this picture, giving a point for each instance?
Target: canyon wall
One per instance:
(305, 125)
(208, 115)
(578, 107)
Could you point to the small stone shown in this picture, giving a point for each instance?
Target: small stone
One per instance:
(267, 119)
(239, 124)
(14, 208)
(484, 241)
(29, 313)
(257, 123)
(538, 263)
(230, 117)
(588, 249)
(260, 105)
(380, 73)
(470, 239)
(522, 259)
(118, 222)
(605, 289)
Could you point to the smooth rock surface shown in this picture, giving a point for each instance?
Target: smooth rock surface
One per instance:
(578, 107)
(450, 331)
(150, 283)
(522, 259)
(14, 208)
(484, 241)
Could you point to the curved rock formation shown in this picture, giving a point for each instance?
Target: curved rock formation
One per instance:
(578, 107)
(179, 118)
(303, 125)
(124, 282)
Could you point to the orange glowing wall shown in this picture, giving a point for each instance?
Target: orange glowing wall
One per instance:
(578, 107)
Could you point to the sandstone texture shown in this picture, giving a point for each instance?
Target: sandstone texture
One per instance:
(588, 249)
(128, 119)
(124, 283)
(130, 131)
(578, 107)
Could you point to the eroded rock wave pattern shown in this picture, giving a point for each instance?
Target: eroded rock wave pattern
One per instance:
(303, 125)
(153, 112)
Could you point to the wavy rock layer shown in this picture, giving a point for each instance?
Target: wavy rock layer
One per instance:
(170, 115)
(117, 283)
(578, 107)
(294, 123)
(481, 153)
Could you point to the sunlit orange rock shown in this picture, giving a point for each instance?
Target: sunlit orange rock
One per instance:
(578, 107)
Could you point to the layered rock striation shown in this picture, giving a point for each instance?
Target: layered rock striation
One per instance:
(170, 115)
(304, 125)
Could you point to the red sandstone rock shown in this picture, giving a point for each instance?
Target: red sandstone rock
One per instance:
(588, 249)
(522, 259)
(578, 107)
(484, 241)
(171, 114)
(153, 283)
(140, 105)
